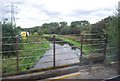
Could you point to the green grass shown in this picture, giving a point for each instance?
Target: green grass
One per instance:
(76, 44)
(31, 52)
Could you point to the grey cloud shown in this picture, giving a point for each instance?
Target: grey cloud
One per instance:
(79, 12)
(82, 12)
(103, 12)
(50, 13)
(39, 6)
(41, 9)
(37, 19)
(107, 9)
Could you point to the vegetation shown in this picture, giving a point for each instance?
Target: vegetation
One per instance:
(10, 65)
(31, 52)
(112, 31)
(8, 30)
(75, 43)
(76, 27)
(107, 25)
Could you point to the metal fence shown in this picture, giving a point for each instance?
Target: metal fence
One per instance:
(88, 43)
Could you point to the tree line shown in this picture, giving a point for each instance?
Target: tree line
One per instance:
(76, 27)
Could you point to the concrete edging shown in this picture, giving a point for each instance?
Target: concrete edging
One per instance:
(46, 74)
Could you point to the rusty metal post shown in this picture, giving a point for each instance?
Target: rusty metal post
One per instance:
(54, 51)
(91, 61)
(81, 48)
(105, 47)
(17, 56)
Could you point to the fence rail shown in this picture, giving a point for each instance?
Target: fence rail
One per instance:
(80, 38)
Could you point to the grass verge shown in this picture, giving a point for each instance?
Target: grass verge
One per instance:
(85, 48)
(10, 65)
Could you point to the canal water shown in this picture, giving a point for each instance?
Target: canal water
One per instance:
(64, 50)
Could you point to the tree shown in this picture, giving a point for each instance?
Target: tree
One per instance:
(40, 32)
(53, 24)
(65, 30)
(32, 30)
(8, 30)
(99, 27)
(45, 25)
(75, 23)
(112, 31)
(57, 30)
(63, 24)
(19, 29)
(83, 23)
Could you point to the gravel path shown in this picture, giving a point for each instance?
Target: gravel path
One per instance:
(99, 71)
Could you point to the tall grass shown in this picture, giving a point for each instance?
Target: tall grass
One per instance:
(9, 63)
(71, 40)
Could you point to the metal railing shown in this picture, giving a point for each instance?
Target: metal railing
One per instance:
(79, 38)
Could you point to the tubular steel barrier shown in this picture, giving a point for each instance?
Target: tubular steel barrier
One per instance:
(86, 43)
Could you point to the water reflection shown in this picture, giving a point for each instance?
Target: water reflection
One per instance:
(60, 42)
(63, 51)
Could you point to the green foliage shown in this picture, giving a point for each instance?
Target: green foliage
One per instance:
(109, 26)
(7, 31)
(35, 34)
(75, 30)
(75, 23)
(98, 28)
(83, 23)
(63, 24)
(112, 31)
(45, 25)
(75, 43)
(40, 32)
(50, 25)
(32, 52)
(63, 30)
(31, 30)
(29, 53)
(76, 27)
(53, 24)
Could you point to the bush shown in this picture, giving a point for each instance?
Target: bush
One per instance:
(40, 32)
(35, 34)
(7, 31)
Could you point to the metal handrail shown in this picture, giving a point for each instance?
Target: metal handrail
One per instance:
(47, 61)
(36, 56)
(25, 43)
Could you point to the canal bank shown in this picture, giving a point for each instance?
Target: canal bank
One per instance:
(64, 54)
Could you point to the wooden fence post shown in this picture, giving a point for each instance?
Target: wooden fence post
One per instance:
(54, 51)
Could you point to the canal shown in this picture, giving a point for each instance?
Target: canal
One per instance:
(65, 54)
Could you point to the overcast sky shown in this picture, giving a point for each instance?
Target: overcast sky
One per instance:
(33, 13)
